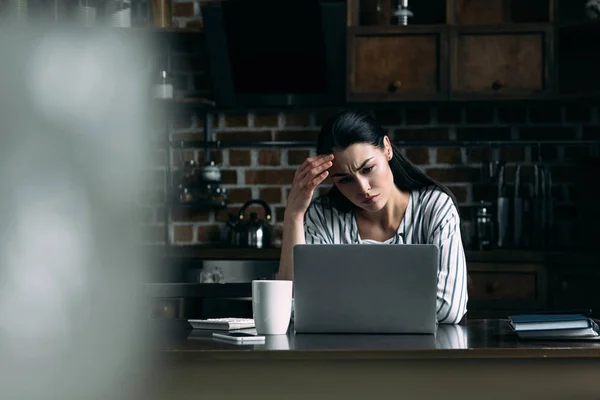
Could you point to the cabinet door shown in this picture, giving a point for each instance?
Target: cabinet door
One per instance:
(576, 288)
(396, 66)
(500, 64)
(506, 286)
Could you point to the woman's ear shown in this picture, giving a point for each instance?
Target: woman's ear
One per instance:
(387, 148)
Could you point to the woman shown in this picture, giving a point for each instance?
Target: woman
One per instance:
(378, 196)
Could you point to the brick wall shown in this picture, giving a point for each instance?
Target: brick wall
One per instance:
(267, 173)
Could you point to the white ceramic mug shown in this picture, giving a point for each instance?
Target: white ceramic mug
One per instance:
(271, 306)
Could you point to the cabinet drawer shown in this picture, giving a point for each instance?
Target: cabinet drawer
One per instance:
(503, 286)
(504, 64)
(396, 66)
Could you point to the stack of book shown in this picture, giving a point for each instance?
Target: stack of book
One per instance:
(554, 326)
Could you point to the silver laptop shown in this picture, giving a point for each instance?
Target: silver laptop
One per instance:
(365, 288)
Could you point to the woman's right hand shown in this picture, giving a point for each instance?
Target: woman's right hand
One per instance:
(309, 175)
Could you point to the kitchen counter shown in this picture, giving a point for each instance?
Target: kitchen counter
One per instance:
(482, 339)
(481, 359)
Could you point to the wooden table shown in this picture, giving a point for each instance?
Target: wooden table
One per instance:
(479, 360)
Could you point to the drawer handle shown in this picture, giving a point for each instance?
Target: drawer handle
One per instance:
(497, 85)
(492, 287)
(394, 86)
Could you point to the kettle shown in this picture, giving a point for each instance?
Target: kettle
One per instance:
(253, 232)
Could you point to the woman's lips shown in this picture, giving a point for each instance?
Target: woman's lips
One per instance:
(371, 199)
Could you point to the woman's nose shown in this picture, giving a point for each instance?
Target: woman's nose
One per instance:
(364, 186)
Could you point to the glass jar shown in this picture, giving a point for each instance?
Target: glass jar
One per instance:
(485, 227)
(163, 87)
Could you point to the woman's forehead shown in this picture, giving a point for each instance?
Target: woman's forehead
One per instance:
(353, 156)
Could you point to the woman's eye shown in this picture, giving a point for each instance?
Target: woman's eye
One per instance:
(368, 169)
(344, 180)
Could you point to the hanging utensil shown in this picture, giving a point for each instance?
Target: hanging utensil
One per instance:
(503, 210)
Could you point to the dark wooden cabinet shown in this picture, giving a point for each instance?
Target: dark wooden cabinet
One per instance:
(506, 287)
(463, 49)
(497, 12)
(397, 65)
(576, 288)
(511, 63)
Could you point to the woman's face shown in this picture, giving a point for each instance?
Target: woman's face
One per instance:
(362, 173)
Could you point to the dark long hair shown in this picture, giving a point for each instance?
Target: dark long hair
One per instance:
(350, 127)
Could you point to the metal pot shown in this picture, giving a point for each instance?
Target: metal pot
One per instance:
(253, 232)
(210, 172)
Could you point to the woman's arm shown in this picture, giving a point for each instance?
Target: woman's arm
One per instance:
(310, 174)
(452, 271)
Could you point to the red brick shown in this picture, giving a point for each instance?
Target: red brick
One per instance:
(479, 115)
(448, 155)
(547, 133)
(297, 157)
(300, 119)
(270, 176)
(279, 213)
(229, 177)
(183, 233)
(296, 136)
(478, 154)
(183, 9)
(236, 120)
(239, 195)
(270, 195)
(454, 174)
(426, 134)
(239, 157)
(418, 155)
(269, 157)
(183, 214)
(262, 120)
(209, 233)
(244, 136)
(449, 115)
(187, 155)
(215, 155)
(196, 136)
(545, 113)
(483, 134)
(512, 115)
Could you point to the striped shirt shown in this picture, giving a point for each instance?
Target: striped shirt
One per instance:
(430, 218)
